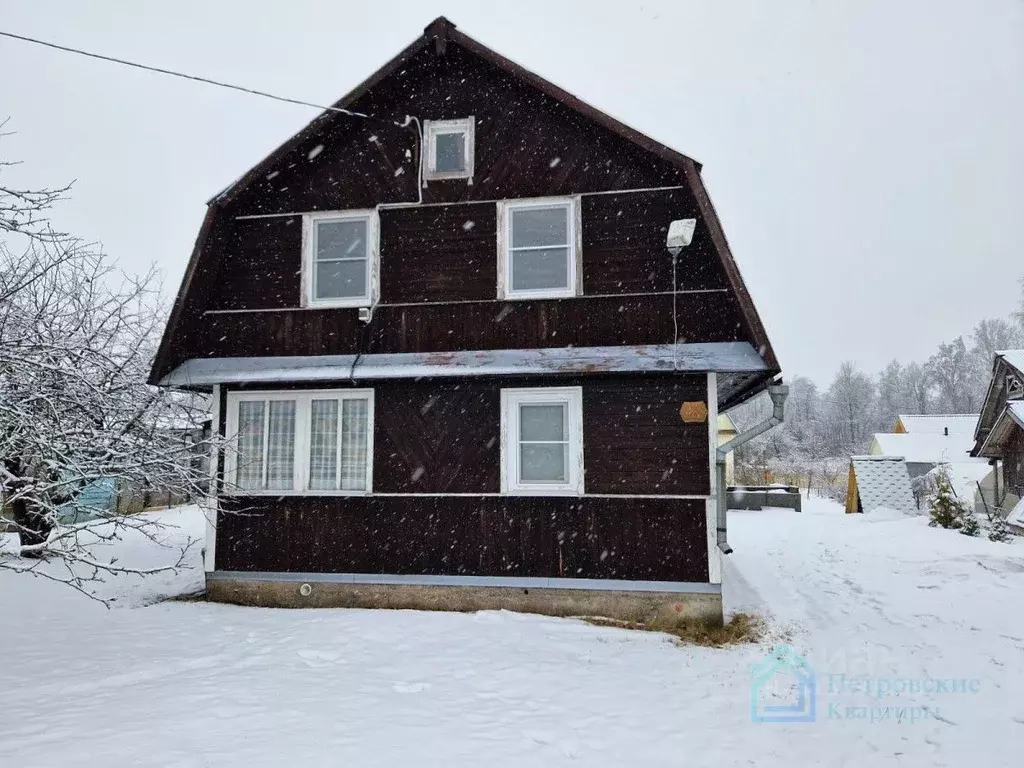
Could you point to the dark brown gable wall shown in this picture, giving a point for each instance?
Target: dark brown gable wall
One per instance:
(261, 265)
(439, 253)
(443, 436)
(527, 145)
(450, 253)
(634, 440)
(624, 245)
(1013, 463)
(641, 539)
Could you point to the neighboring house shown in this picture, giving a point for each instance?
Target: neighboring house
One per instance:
(949, 424)
(726, 432)
(879, 482)
(1000, 434)
(929, 441)
(448, 357)
(925, 450)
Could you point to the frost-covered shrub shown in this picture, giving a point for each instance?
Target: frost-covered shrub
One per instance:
(947, 511)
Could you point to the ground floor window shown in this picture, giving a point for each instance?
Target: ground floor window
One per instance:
(300, 441)
(542, 445)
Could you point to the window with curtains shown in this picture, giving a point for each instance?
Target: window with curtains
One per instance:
(542, 453)
(538, 248)
(300, 441)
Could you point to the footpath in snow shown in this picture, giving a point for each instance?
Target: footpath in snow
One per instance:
(864, 599)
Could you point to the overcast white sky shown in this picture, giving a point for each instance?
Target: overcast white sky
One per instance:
(866, 157)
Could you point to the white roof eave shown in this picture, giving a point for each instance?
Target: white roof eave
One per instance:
(722, 357)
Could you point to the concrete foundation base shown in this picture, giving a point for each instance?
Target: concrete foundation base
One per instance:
(656, 610)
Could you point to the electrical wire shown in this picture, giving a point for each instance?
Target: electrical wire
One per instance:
(675, 318)
(186, 76)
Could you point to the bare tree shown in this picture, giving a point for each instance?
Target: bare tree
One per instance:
(76, 341)
(1018, 314)
(851, 410)
(916, 387)
(890, 391)
(25, 211)
(954, 371)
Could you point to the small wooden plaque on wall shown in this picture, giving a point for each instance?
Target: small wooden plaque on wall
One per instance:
(694, 412)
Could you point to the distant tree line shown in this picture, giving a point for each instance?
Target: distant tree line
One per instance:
(840, 421)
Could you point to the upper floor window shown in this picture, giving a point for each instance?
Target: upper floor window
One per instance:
(538, 248)
(449, 149)
(340, 259)
(307, 442)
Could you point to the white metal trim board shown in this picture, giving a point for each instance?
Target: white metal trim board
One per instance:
(607, 585)
(725, 357)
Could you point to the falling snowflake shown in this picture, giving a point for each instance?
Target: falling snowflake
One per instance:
(315, 151)
(468, 225)
(554, 162)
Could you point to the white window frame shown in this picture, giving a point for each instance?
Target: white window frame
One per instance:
(511, 399)
(310, 224)
(431, 130)
(574, 275)
(303, 409)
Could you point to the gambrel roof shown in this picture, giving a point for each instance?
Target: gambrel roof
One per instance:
(438, 37)
(1001, 411)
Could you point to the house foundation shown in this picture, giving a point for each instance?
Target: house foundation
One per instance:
(656, 610)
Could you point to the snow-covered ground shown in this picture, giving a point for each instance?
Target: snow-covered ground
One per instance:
(883, 601)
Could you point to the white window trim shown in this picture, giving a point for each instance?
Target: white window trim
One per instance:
(511, 399)
(310, 221)
(431, 130)
(574, 285)
(303, 407)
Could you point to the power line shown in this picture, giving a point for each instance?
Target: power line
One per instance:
(185, 76)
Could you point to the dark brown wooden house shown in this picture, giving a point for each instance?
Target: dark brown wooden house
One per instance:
(1000, 433)
(441, 326)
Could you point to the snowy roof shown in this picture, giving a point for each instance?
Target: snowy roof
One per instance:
(964, 476)
(1014, 357)
(938, 423)
(1016, 409)
(1016, 515)
(883, 482)
(1009, 419)
(728, 357)
(925, 448)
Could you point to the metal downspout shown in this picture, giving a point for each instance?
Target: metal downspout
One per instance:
(778, 394)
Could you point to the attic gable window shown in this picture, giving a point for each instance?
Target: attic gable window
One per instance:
(340, 259)
(449, 149)
(538, 248)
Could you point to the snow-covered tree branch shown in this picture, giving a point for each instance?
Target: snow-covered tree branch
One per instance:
(76, 415)
(25, 211)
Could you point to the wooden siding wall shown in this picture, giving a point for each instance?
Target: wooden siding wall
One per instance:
(1013, 463)
(437, 254)
(430, 257)
(443, 437)
(526, 145)
(585, 538)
